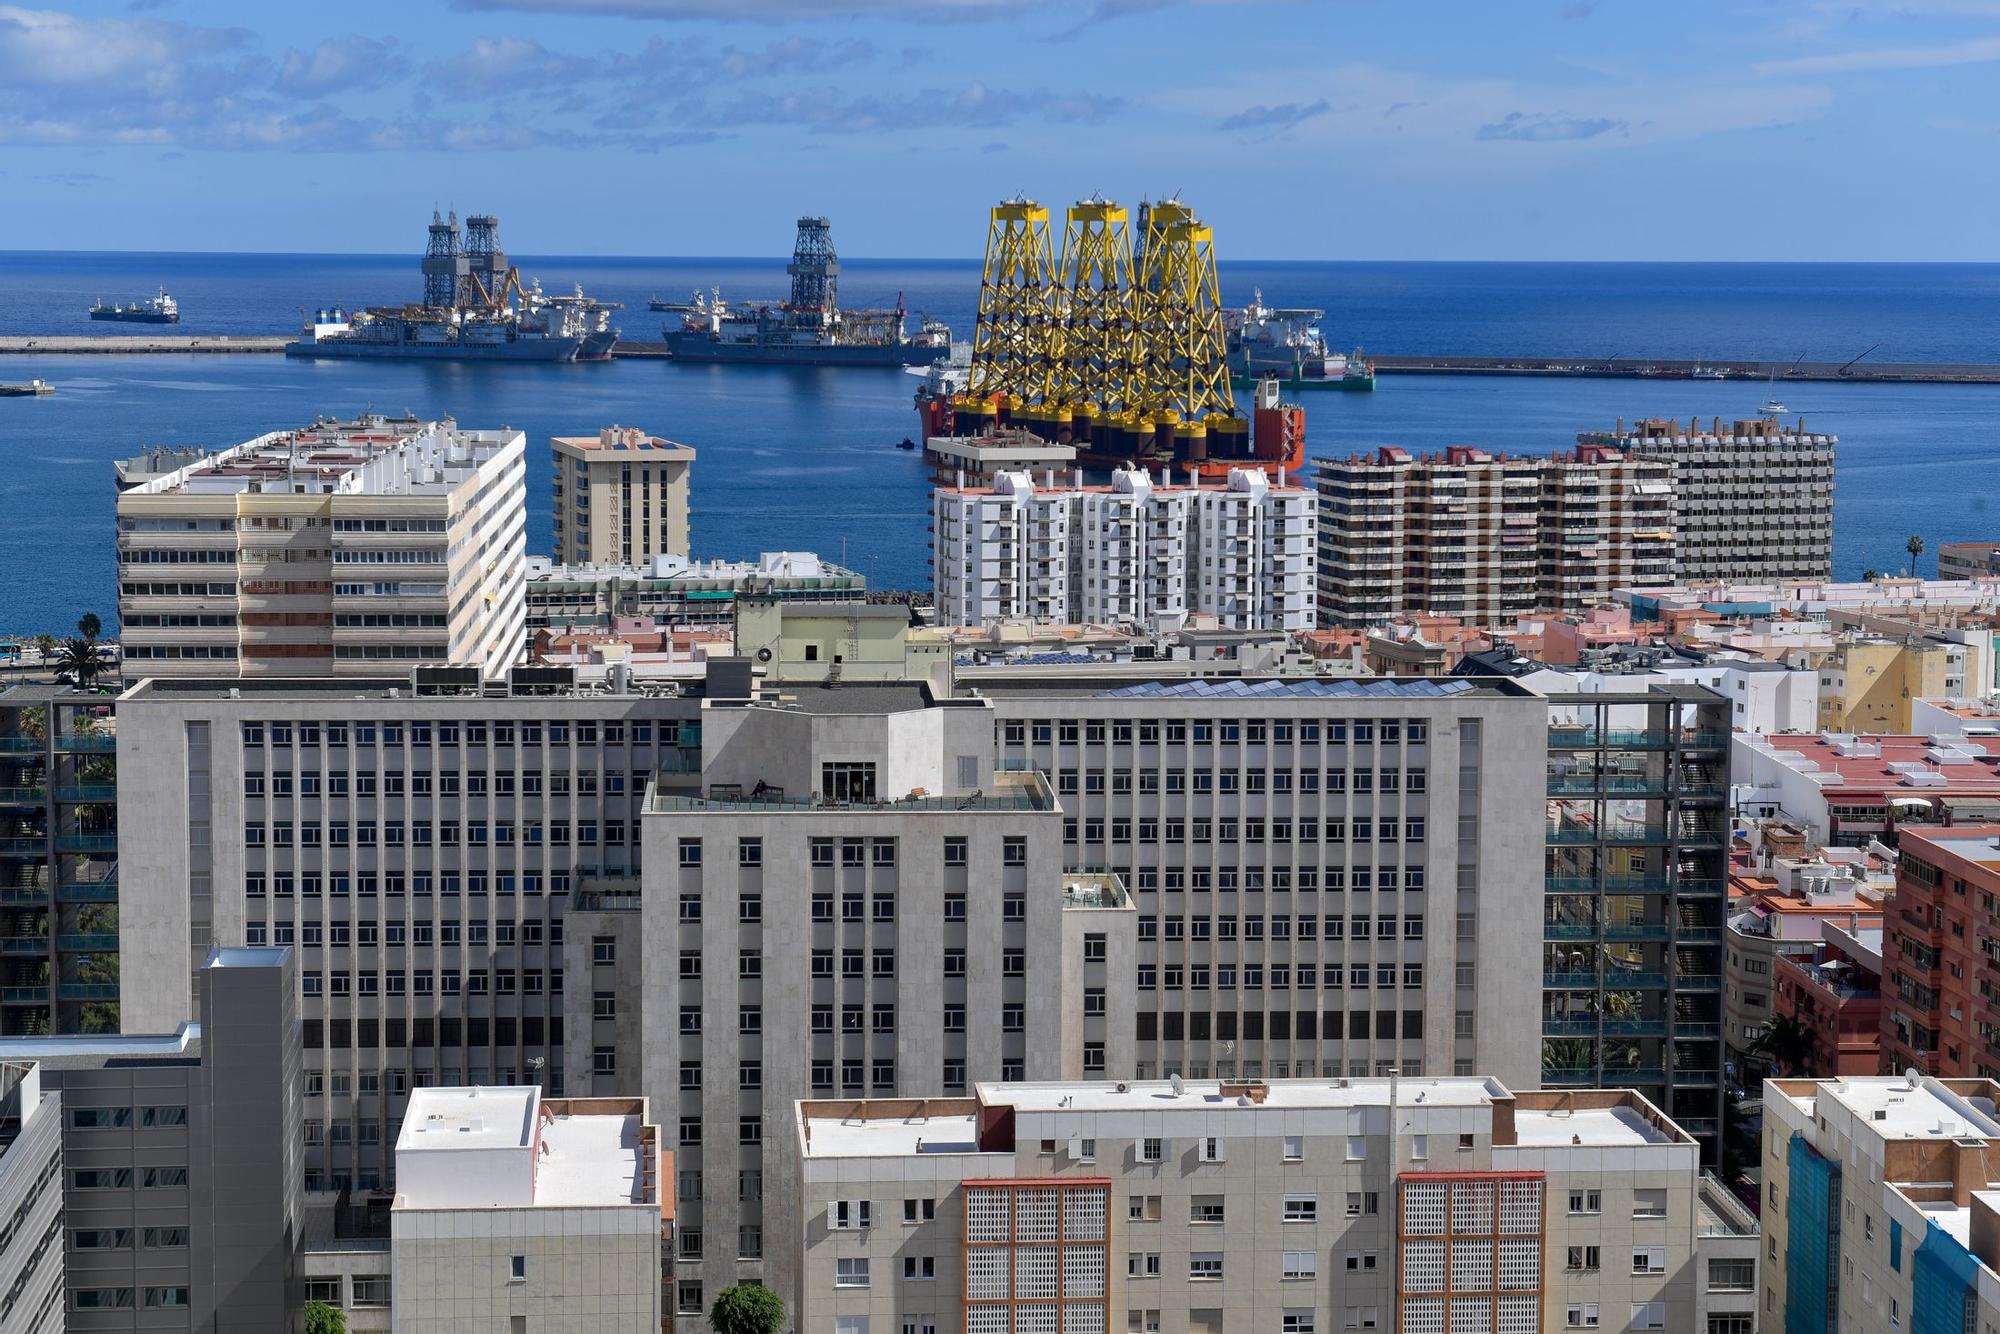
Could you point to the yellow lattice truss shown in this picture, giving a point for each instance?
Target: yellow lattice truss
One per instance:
(1012, 352)
(1094, 361)
(1181, 352)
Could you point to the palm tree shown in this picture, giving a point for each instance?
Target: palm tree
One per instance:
(1871, 574)
(1788, 1044)
(46, 644)
(90, 627)
(79, 665)
(1915, 546)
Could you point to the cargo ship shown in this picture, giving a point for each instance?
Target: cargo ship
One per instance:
(1286, 343)
(809, 329)
(1116, 351)
(474, 308)
(161, 309)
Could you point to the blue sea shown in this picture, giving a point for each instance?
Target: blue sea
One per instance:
(805, 459)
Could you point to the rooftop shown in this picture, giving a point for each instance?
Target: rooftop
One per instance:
(1295, 688)
(372, 455)
(669, 568)
(1977, 844)
(1895, 1108)
(1594, 1127)
(624, 440)
(1016, 790)
(522, 1149)
(57, 1051)
(446, 1119)
(1905, 765)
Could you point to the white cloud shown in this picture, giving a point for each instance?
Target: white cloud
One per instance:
(1976, 52)
(341, 64)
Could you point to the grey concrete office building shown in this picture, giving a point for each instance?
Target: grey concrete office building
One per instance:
(859, 890)
(181, 1196)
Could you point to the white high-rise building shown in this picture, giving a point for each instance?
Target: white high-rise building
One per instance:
(1135, 550)
(338, 549)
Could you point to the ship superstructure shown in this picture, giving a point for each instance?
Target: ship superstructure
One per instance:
(474, 308)
(808, 329)
(1286, 342)
(161, 309)
(1116, 344)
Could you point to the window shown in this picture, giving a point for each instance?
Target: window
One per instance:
(373, 1289)
(165, 1238)
(1205, 1266)
(1142, 1264)
(330, 1291)
(1214, 1149)
(1582, 1315)
(1732, 1275)
(1357, 1148)
(1649, 1315)
(166, 1298)
(1152, 1150)
(1648, 1202)
(101, 1239)
(1301, 1264)
(1305, 1208)
(955, 851)
(846, 1215)
(1298, 1320)
(1649, 1259)
(1295, 1148)
(690, 852)
(1360, 1203)
(919, 1268)
(850, 1272)
(1586, 1202)
(749, 852)
(1582, 1258)
(1205, 1209)
(103, 1299)
(101, 1178)
(517, 1269)
(919, 1210)
(99, 1118)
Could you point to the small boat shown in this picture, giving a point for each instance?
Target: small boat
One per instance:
(1773, 408)
(1708, 373)
(32, 389)
(906, 443)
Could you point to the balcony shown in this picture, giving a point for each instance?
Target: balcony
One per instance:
(24, 944)
(87, 842)
(1698, 982)
(1611, 885)
(88, 991)
(1615, 836)
(23, 847)
(24, 995)
(94, 743)
(96, 891)
(23, 796)
(1608, 785)
(89, 942)
(90, 792)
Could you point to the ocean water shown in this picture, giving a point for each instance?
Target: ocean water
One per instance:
(805, 458)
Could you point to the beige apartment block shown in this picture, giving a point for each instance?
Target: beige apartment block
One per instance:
(1881, 1204)
(1424, 1205)
(339, 549)
(1751, 501)
(1486, 538)
(516, 1212)
(621, 497)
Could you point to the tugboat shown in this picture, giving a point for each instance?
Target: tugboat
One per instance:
(161, 309)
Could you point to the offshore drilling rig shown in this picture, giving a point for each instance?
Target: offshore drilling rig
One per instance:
(1115, 345)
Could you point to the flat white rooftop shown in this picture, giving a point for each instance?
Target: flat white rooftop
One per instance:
(1894, 1110)
(372, 455)
(832, 1137)
(1208, 1094)
(1591, 1128)
(445, 1119)
(587, 1160)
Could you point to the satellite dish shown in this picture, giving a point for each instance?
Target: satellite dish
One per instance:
(763, 655)
(1175, 1081)
(1914, 1076)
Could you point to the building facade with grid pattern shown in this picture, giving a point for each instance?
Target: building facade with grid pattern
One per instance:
(1438, 1206)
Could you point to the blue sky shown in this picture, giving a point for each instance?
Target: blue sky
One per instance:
(1308, 129)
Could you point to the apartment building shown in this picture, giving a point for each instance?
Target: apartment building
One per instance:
(1636, 838)
(1849, 791)
(515, 1211)
(1485, 538)
(58, 861)
(338, 549)
(1941, 993)
(180, 1183)
(1751, 502)
(1424, 1205)
(31, 1194)
(676, 591)
(1834, 993)
(1139, 549)
(620, 497)
(1881, 1205)
(1968, 560)
(1867, 683)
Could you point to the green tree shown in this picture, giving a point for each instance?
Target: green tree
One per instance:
(1915, 546)
(1871, 574)
(1787, 1044)
(747, 1308)
(324, 1319)
(78, 663)
(46, 645)
(90, 627)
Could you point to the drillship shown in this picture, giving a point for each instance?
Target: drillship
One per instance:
(474, 309)
(810, 329)
(161, 309)
(1287, 343)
